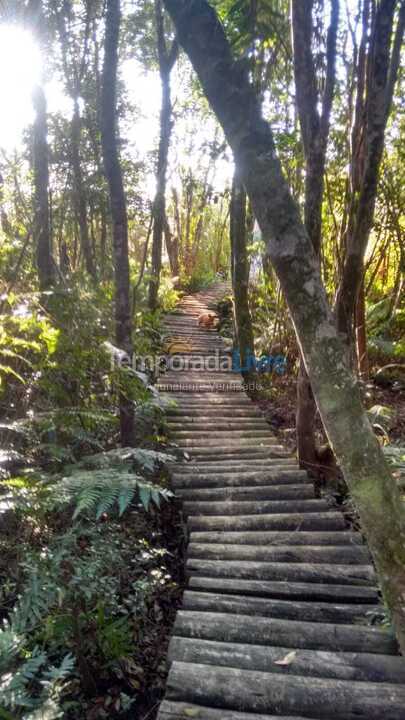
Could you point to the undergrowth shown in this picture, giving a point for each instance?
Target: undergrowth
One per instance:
(89, 531)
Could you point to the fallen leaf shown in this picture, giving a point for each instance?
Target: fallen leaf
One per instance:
(287, 660)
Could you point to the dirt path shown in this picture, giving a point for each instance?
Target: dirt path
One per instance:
(276, 618)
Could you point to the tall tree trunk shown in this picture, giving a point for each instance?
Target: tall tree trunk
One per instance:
(381, 71)
(315, 133)
(40, 163)
(80, 194)
(227, 87)
(240, 276)
(113, 172)
(166, 61)
(74, 72)
(42, 225)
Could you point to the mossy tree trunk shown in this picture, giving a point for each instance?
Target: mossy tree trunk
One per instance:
(227, 87)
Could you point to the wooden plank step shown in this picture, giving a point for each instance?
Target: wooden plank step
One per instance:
(284, 491)
(322, 592)
(184, 711)
(221, 435)
(263, 538)
(223, 467)
(248, 507)
(194, 425)
(209, 421)
(235, 452)
(292, 572)
(197, 481)
(207, 412)
(343, 554)
(361, 667)
(266, 693)
(225, 627)
(287, 521)
(284, 609)
(216, 441)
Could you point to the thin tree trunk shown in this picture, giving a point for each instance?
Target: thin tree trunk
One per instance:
(240, 277)
(80, 195)
(42, 225)
(73, 78)
(166, 62)
(113, 172)
(381, 76)
(227, 87)
(42, 234)
(172, 247)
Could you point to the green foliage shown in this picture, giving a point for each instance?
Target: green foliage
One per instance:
(35, 685)
(99, 491)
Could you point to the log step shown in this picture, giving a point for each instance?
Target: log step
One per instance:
(247, 507)
(226, 627)
(284, 609)
(287, 521)
(202, 481)
(342, 537)
(349, 554)
(183, 711)
(307, 591)
(289, 571)
(265, 492)
(283, 695)
(361, 667)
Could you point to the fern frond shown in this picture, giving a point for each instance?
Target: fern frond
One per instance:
(98, 492)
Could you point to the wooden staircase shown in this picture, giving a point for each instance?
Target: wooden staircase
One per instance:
(276, 618)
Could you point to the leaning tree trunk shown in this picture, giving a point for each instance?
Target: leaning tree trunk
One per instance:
(240, 277)
(42, 225)
(166, 62)
(227, 87)
(123, 320)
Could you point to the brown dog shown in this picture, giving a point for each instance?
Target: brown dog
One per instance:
(208, 320)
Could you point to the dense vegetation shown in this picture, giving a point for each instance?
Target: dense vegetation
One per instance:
(112, 207)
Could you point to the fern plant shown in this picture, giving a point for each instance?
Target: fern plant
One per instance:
(35, 685)
(101, 491)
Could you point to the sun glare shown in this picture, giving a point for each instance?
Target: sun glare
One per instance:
(20, 67)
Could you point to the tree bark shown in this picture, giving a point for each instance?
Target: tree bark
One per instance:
(240, 277)
(361, 334)
(226, 85)
(73, 78)
(80, 195)
(381, 72)
(42, 225)
(113, 172)
(315, 133)
(167, 58)
(42, 232)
